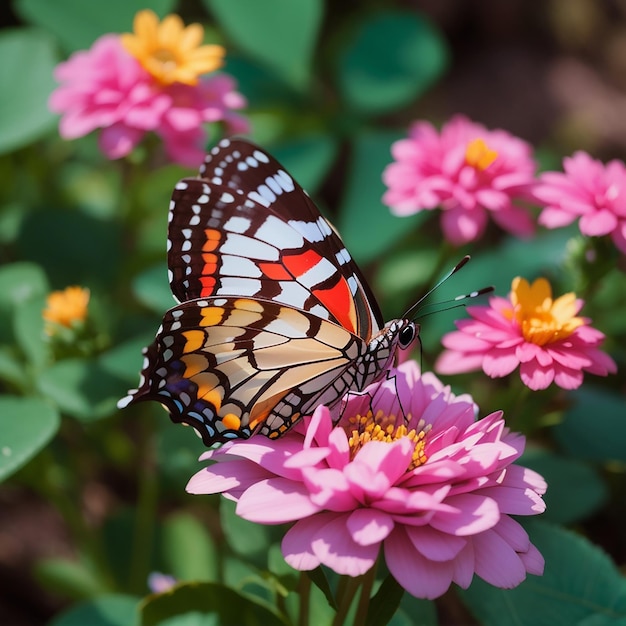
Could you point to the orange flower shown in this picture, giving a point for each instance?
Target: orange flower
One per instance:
(66, 307)
(169, 51)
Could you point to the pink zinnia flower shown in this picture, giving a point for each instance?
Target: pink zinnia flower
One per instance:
(106, 88)
(544, 337)
(407, 468)
(467, 171)
(589, 191)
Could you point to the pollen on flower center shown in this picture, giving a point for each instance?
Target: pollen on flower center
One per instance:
(382, 427)
(542, 320)
(479, 155)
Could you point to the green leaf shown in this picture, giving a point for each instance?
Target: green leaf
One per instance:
(189, 550)
(366, 225)
(25, 84)
(152, 289)
(124, 360)
(82, 388)
(107, 610)
(77, 24)
(579, 581)
(28, 327)
(318, 578)
(575, 490)
(191, 604)
(594, 427)
(308, 159)
(385, 602)
(68, 578)
(281, 34)
(26, 426)
(20, 282)
(392, 58)
(244, 537)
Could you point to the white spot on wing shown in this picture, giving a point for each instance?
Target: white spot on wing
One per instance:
(237, 224)
(239, 266)
(279, 233)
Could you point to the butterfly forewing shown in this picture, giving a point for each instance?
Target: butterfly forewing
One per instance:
(245, 227)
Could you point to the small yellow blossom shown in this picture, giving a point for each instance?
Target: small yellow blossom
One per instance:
(542, 319)
(169, 51)
(66, 307)
(479, 155)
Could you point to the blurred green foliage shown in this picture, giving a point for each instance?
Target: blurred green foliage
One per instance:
(328, 92)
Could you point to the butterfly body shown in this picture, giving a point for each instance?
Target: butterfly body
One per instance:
(274, 317)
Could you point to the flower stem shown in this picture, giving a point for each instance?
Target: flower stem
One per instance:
(348, 587)
(304, 592)
(364, 599)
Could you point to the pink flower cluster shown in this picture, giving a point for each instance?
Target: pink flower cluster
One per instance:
(106, 88)
(472, 173)
(407, 469)
(468, 171)
(589, 191)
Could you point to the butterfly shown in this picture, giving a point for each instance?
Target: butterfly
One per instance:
(273, 317)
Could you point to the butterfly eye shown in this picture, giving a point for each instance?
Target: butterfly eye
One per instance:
(407, 334)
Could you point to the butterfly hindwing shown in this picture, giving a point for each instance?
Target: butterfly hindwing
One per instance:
(233, 366)
(245, 227)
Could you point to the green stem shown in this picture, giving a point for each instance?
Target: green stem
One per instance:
(146, 515)
(304, 592)
(348, 587)
(364, 598)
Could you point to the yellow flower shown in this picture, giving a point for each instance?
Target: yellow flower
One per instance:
(479, 155)
(542, 319)
(66, 307)
(170, 51)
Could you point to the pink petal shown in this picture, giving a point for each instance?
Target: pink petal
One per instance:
(334, 547)
(275, 501)
(496, 562)
(461, 226)
(474, 514)
(369, 526)
(598, 223)
(435, 545)
(536, 377)
(421, 577)
(296, 544)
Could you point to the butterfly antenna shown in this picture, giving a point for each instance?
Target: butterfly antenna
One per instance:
(455, 303)
(415, 308)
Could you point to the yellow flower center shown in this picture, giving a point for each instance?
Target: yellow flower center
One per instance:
(169, 51)
(382, 427)
(66, 307)
(542, 319)
(479, 155)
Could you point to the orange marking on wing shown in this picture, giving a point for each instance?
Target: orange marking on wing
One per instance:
(231, 421)
(212, 316)
(338, 300)
(210, 262)
(275, 271)
(212, 239)
(194, 340)
(298, 264)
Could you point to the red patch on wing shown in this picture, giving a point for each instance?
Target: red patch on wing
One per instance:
(208, 286)
(338, 300)
(298, 264)
(275, 271)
